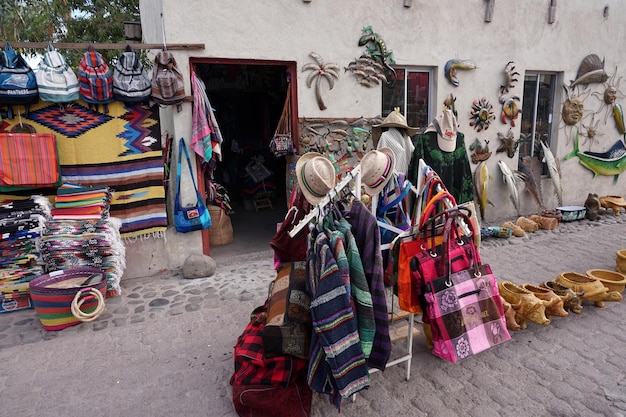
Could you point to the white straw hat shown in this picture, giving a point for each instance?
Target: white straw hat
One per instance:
(377, 169)
(393, 119)
(316, 176)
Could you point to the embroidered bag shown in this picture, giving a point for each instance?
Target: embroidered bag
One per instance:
(18, 84)
(131, 83)
(196, 216)
(270, 386)
(282, 143)
(168, 86)
(464, 307)
(56, 80)
(95, 79)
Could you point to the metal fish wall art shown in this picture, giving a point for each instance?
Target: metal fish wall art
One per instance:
(590, 71)
(530, 169)
(510, 179)
(481, 187)
(554, 168)
(611, 162)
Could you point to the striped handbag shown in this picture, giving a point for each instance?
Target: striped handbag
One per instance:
(68, 297)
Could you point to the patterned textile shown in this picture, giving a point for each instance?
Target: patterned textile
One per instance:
(288, 328)
(336, 364)
(120, 149)
(86, 243)
(28, 160)
(252, 367)
(367, 237)
(467, 317)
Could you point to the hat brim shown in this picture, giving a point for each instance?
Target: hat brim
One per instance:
(446, 145)
(312, 199)
(377, 131)
(375, 190)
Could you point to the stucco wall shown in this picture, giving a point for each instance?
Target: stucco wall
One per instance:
(426, 35)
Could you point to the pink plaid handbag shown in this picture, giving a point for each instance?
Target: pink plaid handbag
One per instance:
(464, 307)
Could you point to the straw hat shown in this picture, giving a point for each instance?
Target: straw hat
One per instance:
(316, 176)
(448, 128)
(377, 169)
(394, 119)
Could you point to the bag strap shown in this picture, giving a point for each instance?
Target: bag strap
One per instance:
(451, 222)
(395, 201)
(183, 148)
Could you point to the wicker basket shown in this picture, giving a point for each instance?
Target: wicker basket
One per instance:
(221, 230)
(53, 295)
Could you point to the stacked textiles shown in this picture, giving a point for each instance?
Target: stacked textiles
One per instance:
(86, 243)
(77, 202)
(22, 222)
(82, 234)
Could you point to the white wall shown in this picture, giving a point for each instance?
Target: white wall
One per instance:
(427, 34)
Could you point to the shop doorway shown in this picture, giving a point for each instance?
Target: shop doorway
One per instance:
(247, 98)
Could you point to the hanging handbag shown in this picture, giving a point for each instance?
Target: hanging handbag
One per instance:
(282, 143)
(189, 218)
(463, 307)
(417, 243)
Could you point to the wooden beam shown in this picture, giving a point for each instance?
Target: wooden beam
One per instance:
(552, 12)
(489, 10)
(136, 46)
(408, 3)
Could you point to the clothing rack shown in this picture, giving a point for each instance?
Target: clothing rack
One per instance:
(354, 174)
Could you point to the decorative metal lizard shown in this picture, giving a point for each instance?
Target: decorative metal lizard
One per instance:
(377, 50)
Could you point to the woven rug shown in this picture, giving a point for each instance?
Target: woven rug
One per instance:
(120, 149)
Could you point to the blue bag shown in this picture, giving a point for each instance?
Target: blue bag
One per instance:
(18, 84)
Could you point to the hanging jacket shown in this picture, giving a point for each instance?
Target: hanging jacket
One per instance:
(367, 237)
(336, 363)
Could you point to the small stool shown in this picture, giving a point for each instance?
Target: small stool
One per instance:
(262, 201)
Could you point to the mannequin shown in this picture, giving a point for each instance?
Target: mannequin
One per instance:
(442, 147)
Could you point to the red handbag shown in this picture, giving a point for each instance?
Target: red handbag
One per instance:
(409, 247)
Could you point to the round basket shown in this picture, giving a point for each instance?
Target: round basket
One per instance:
(620, 261)
(614, 281)
(53, 295)
(221, 230)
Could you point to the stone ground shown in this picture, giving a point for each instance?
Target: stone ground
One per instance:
(164, 347)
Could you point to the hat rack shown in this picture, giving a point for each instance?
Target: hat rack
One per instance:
(353, 174)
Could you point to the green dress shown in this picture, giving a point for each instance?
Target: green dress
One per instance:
(452, 167)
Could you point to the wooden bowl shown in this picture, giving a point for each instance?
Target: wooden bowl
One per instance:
(614, 281)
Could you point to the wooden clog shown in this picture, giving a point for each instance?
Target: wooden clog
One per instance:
(571, 300)
(530, 307)
(556, 303)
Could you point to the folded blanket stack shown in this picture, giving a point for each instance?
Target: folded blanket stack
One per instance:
(81, 234)
(22, 223)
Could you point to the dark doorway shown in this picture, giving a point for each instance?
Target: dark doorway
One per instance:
(247, 99)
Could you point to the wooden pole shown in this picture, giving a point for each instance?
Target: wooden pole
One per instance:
(136, 46)
(552, 12)
(489, 10)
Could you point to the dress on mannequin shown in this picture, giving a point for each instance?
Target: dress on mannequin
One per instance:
(442, 147)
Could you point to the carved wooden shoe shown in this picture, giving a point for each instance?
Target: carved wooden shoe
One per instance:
(556, 303)
(531, 308)
(528, 225)
(546, 223)
(509, 314)
(594, 290)
(571, 300)
(517, 231)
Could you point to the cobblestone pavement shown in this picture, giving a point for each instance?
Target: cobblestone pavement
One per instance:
(164, 347)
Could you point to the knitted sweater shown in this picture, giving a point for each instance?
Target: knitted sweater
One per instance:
(359, 288)
(336, 363)
(367, 238)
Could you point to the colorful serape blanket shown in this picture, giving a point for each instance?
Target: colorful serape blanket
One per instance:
(120, 149)
(86, 243)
